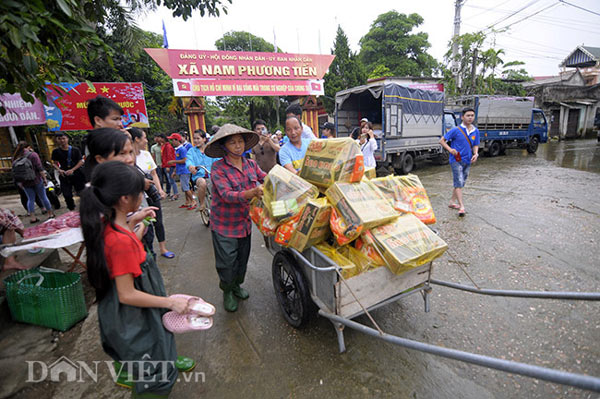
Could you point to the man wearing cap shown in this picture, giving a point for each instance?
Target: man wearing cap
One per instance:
(181, 170)
(328, 130)
(236, 180)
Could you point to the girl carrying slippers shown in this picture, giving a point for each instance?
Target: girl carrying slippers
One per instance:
(129, 288)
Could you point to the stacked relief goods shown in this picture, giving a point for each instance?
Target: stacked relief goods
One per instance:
(376, 222)
(332, 160)
(407, 195)
(358, 206)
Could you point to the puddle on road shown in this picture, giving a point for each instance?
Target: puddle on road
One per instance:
(574, 154)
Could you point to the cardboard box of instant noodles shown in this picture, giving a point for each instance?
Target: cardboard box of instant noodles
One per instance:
(407, 243)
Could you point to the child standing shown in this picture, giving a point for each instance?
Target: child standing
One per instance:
(129, 288)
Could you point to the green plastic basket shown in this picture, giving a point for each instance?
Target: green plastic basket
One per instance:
(46, 297)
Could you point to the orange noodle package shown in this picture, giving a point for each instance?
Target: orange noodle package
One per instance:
(349, 269)
(366, 245)
(332, 160)
(407, 243)
(392, 190)
(286, 230)
(259, 215)
(284, 193)
(313, 224)
(358, 206)
(416, 196)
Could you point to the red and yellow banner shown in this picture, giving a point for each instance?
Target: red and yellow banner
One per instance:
(67, 108)
(238, 87)
(242, 73)
(202, 64)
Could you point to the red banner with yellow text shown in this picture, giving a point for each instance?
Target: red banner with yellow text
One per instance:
(67, 107)
(242, 73)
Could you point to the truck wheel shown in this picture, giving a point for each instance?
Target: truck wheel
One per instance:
(533, 145)
(494, 149)
(408, 163)
(442, 159)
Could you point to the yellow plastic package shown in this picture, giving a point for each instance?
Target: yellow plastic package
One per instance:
(392, 191)
(370, 173)
(360, 204)
(349, 269)
(332, 160)
(407, 243)
(362, 261)
(313, 224)
(415, 195)
(259, 215)
(284, 193)
(366, 245)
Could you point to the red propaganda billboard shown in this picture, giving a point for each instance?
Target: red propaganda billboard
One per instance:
(201, 64)
(68, 110)
(198, 87)
(19, 112)
(242, 73)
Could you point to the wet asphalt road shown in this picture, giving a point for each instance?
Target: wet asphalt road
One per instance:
(533, 223)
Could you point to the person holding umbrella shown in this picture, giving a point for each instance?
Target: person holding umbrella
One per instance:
(235, 180)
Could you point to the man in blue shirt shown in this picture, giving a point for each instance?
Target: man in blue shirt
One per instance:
(181, 170)
(292, 153)
(463, 149)
(195, 158)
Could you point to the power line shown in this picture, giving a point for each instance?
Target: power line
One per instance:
(576, 6)
(541, 17)
(512, 14)
(531, 15)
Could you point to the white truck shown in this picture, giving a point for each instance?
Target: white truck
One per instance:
(408, 122)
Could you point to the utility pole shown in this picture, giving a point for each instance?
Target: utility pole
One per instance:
(455, 68)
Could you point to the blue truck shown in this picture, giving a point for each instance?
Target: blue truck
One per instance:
(504, 122)
(408, 122)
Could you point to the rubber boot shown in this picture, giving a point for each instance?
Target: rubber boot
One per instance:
(230, 302)
(240, 292)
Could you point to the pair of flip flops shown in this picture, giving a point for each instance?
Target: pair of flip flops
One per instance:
(461, 211)
(168, 255)
(197, 318)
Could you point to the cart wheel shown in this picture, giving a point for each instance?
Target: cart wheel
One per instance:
(291, 290)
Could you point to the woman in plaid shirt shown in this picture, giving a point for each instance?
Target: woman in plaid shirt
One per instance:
(235, 181)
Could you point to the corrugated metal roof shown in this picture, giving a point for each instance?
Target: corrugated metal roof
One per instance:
(582, 56)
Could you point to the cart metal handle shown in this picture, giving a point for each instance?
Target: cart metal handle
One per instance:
(542, 373)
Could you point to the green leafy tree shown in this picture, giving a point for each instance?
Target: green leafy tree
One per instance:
(39, 38)
(244, 41)
(345, 71)
(390, 42)
(380, 71)
(478, 69)
(244, 110)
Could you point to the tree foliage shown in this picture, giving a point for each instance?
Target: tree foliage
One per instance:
(244, 110)
(390, 43)
(39, 38)
(482, 70)
(244, 41)
(132, 64)
(345, 71)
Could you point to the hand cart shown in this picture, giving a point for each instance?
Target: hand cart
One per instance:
(303, 280)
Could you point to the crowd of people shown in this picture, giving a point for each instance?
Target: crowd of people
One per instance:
(121, 184)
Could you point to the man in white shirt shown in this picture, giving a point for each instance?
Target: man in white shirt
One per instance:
(296, 110)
